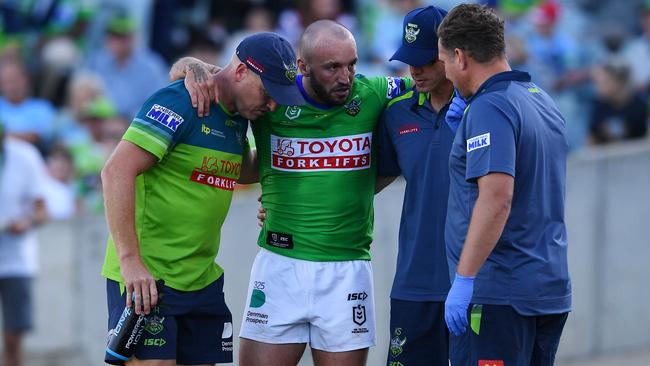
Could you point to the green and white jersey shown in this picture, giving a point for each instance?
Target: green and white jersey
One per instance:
(318, 175)
(182, 201)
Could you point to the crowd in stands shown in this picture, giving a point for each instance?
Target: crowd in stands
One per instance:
(74, 72)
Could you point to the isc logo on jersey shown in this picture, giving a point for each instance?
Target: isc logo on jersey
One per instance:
(341, 153)
(165, 117)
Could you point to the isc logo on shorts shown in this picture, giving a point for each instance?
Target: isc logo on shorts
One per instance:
(339, 153)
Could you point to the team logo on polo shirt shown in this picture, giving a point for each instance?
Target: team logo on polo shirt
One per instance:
(165, 116)
(478, 142)
(339, 153)
(411, 32)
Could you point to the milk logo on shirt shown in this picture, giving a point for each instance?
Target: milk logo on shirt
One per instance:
(165, 117)
(478, 142)
(339, 153)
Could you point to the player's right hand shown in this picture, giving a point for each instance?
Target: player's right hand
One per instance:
(261, 213)
(139, 282)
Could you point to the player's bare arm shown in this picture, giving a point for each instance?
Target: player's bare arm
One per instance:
(489, 217)
(118, 181)
(383, 182)
(249, 168)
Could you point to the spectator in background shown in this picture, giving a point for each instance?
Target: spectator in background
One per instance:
(100, 121)
(618, 112)
(59, 188)
(292, 22)
(387, 29)
(258, 19)
(637, 53)
(26, 118)
(22, 209)
(552, 52)
(130, 74)
(82, 90)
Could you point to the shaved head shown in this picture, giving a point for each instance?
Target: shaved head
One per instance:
(327, 62)
(319, 33)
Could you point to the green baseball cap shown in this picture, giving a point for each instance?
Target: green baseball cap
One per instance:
(121, 24)
(100, 108)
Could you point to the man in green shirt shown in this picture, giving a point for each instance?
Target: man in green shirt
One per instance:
(168, 187)
(312, 281)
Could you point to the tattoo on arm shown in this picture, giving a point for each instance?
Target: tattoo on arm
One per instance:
(200, 74)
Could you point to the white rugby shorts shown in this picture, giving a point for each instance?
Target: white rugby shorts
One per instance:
(329, 305)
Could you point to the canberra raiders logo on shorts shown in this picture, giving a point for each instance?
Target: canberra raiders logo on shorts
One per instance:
(397, 343)
(154, 324)
(353, 107)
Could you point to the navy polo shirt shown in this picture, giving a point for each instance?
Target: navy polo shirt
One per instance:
(414, 141)
(511, 126)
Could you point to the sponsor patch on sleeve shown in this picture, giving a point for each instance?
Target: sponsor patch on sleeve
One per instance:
(478, 142)
(394, 87)
(165, 117)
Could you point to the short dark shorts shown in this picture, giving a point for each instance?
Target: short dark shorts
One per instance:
(17, 304)
(191, 327)
(500, 336)
(418, 334)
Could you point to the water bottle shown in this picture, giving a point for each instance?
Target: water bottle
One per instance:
(125, 337)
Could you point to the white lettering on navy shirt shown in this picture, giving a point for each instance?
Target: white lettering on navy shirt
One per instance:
(478, 142)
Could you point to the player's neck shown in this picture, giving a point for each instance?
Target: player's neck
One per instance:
(226, 97)
(482, 72)
(306, 85)
(440, 96)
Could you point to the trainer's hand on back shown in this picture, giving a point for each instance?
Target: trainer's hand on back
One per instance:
(455, 113)
(457, 303)
(139, 281)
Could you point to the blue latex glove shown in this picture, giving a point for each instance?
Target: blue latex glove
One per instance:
(457, 303)
(455, 112)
